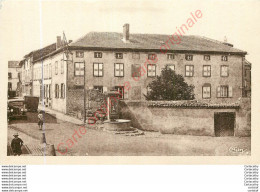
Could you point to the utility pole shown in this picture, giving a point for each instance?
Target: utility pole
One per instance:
(84, 93)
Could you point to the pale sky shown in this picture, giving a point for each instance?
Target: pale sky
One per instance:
(29, 25)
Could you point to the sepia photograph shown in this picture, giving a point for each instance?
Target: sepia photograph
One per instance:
(128, 78)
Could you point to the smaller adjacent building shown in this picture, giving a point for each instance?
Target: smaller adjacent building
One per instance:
(14, 77)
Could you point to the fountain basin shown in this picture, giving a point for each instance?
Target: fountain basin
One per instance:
(118, 125)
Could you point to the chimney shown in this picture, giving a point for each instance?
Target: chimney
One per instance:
(58, 43)
(126, 32)
(70, 41)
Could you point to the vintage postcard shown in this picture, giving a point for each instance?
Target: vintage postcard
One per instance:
(139, 82)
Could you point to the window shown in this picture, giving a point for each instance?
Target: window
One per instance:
(98, 69)
(120, 90)
(170, 66)
(189, 57)
(119, 70)
(170, 56)
(206, 57)
(50, 91)
(206, 92)
(224, 58)
(135, 70)
(50, 71)
(224, 91)
(56, 67)
(79, 69)
(151, 70)
(57, 91)
(136, 55)
(62, 66)
(9, 75)
(189, 70)
(9, 86)
(97, 54)
(119, 55)
(223, 70)
(152, 56)
(62, 90)
(99, 88)
(80, 54)
(206, 70)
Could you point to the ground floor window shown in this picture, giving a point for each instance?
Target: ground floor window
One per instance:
(224, 91)
(206, 92)
(56, 91)
(151, 70)
(9, 86)
(62, 90)
(99, 88)
(120, 90)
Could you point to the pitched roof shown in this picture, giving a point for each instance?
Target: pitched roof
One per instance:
(37, 54)
(13, 64)
(152, 42)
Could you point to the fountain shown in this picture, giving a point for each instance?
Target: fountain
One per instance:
(113, 123)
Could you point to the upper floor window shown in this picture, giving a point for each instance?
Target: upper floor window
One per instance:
(136, 70)
(224, 58)
(206, 91)
(136, 55)
(189, 57)
(56, 67)
(206, 57)
(119, 55)
(206, 71)
(80, 54)
(224, 71)
(62, 66)
(79, 69)
(98, 54)
(98, 69)
(119, 70)
(189, 70)
(152, 56)
(170, 56)
(50, 71)
(151, 70)
(9, 75)
(170, 66)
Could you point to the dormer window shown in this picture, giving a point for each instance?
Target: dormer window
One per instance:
(119, 55)
(98, 54)
(189, 57)
(224, 58)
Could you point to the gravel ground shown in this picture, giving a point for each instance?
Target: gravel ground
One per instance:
(100, 143)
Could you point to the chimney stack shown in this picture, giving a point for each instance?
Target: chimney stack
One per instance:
(70, 41)
(58, 43)
(126, 32)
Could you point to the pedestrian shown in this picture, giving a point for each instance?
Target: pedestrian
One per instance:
(16, 145)
(40, 119)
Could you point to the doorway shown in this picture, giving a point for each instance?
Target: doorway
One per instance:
(224, 124)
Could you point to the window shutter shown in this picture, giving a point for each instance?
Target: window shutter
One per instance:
(218, 91)
(230, 91)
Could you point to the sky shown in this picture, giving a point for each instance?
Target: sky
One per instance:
(29, 25)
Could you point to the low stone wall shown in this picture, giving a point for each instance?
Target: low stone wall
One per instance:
(186, 119)
(75, 102)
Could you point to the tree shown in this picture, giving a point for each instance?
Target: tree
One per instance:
(169, 86)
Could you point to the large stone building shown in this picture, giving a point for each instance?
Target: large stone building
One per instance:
(129, 62)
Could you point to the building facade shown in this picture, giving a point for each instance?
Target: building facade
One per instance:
(14, 77)
(129, 62)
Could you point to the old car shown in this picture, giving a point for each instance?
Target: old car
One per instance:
(16, 109)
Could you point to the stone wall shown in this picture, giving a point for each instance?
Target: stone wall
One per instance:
(183, 120)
